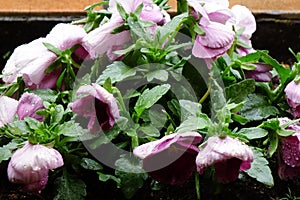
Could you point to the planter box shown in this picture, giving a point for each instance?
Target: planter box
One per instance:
(66, 7)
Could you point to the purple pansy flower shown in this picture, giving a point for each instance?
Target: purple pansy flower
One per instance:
(30, 165)
(243, 19)
(101, 40)
(228, 155)
(27, 106)
(261, 73)
(171, 159)
(292, 92)
(31, 60)
(218, 37)
(99, 106)
(289, 152)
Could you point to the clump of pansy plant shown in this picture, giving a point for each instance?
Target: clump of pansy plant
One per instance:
(134, 93)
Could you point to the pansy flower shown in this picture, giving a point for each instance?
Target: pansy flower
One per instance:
(244, 22)
(101, 40)
(30, 61)
(292, 92)
(289, 152)
(261, 73)
(27, 106)
(217, 37)
(228, 155)
(98, 105)
(171, 159)
(30, 165)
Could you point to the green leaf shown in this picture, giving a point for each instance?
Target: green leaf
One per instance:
(117, 72)
(106, 177)
(52, 48)
(189, 108)
(70, 188)
(137, 28)
(90, 164)
(71, 129)
(149, 97)
(251, 57)
(122, 11)
(257, 107)
(105, 137)
(57, 114)
(217, 95)
(193, 123)
(253, 133)
(260, 169)
(274, 139)
(131, 174)
(144, 131)
(238, 92)
(283, 72)
(238, 118)
(271, 124)
(160, 74)
(199, 30)
(169, 28)
(6, 151)
(61, 78)
(139, 9)
(285, 133)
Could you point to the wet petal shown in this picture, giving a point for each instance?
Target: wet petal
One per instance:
(8, 109)
(29, 103)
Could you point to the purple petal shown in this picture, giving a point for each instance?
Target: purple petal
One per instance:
(180, 166)
(292, 92)
(99, 104)
(101, 40)
(171, 159)
(29, 103)
(8, 109)
(217, 40)
(244, 19)
(30, 59)
(228, 170)
(290, 151)
(30, 165)
(151, 12)
(220, 150)
(64, 36)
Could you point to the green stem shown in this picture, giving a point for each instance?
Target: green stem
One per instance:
(280, 89)
(197, 185)
(206, 93)
(120, 98)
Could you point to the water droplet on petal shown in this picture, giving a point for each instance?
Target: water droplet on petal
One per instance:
(148, 7)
